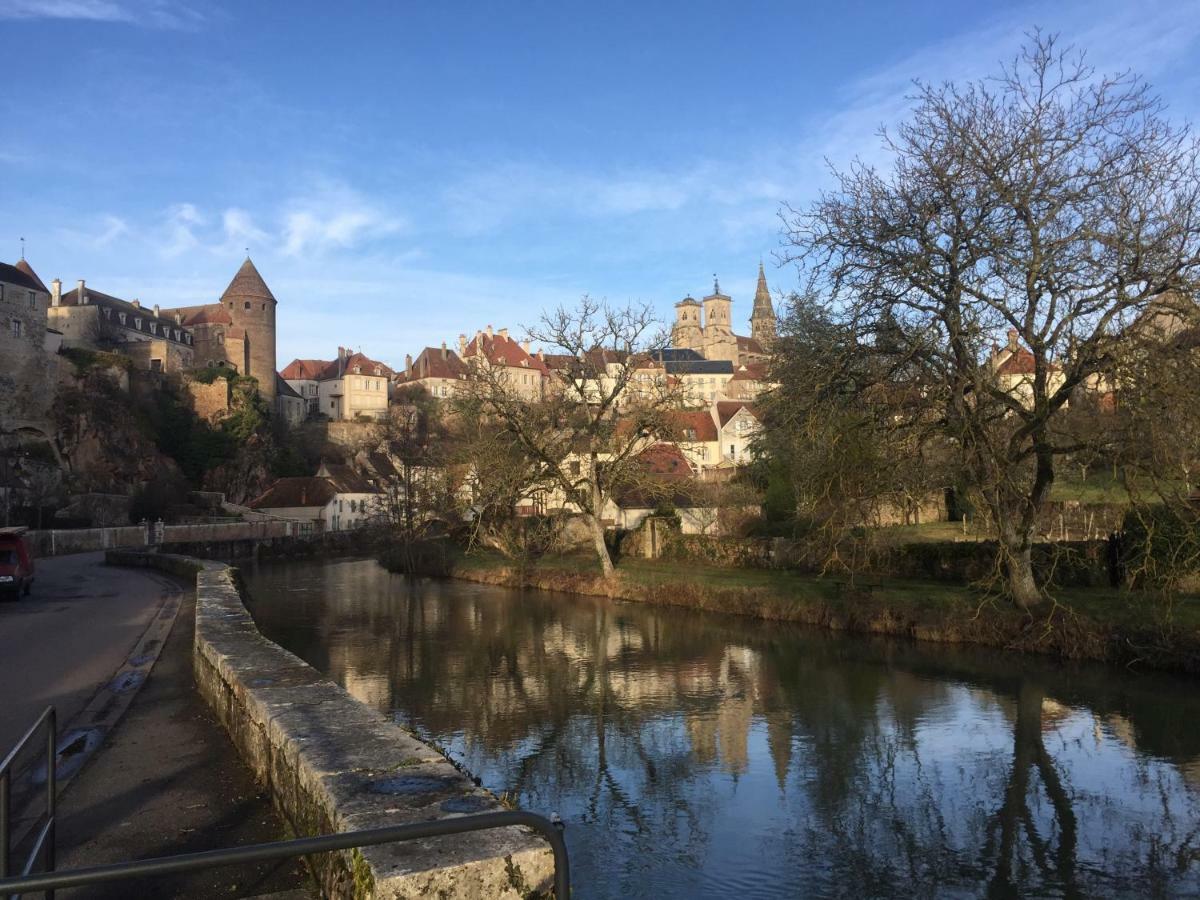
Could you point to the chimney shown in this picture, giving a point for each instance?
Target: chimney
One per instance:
(525, 346)
(408, 365)
(1012, 340)
(81, 297)
(443, 349)
(135, 303)
(56, 292)
(156, 312)
(489, 330)
(504, 333)
(178, 318)
(541, 356)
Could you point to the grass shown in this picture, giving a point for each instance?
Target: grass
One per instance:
(1111, 625)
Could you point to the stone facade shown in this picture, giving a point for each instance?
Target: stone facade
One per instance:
(210, 401)
(27, 370)
(90, 319)
(237, 331)
(707, 327)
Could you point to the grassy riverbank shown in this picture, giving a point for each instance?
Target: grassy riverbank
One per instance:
(1114, 626)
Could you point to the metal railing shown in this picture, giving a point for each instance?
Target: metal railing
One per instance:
(44, 841)
(279, 850)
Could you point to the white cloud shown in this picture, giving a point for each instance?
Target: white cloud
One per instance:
(147, 13)
(334, 217)
(241, 234)
(182, 221)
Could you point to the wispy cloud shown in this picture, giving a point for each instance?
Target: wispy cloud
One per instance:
(335, 216)
(146, 13)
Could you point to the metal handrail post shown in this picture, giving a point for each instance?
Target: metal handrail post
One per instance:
(51, 790)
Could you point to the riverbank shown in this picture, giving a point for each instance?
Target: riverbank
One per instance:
(1114, 626)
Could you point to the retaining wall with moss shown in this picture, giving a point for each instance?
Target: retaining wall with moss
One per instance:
(333, 764)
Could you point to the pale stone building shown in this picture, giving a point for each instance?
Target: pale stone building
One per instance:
(438, 370)
(328, 501)
(707, 326)
(155, 340)
(348, 387)
(525, 374)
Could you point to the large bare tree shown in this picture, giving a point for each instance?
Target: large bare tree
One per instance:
(1047, 200)
(597, 410)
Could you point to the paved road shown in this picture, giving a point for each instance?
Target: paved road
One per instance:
(67, 639)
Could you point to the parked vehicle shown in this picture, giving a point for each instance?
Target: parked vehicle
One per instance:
(16, 563)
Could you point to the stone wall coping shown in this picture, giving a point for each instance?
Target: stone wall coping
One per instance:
(332, 763)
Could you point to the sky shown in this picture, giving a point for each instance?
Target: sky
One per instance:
(405, 172)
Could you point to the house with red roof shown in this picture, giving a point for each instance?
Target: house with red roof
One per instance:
(1014, 367)
(525, 374)
(437, 370)
(351, 386)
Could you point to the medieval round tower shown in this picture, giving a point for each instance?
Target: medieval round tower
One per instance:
(251, 307)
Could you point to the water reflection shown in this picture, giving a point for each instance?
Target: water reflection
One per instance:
(698, 756)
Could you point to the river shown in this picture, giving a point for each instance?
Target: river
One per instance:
(697, 755)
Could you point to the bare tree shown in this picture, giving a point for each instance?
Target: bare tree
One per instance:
(1046, 200)
(595, 415)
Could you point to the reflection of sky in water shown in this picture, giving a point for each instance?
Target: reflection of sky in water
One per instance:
(698, 756)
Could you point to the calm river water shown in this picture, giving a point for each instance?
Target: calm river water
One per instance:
(695, 755)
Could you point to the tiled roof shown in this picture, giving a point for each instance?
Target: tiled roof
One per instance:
(748, 344)
(431, 364)
(355, 360)
(503, 351)
(14, 275)
(751, 372)
(1020, 362)
(208, 314)
(304, 369)
(727, 409)
(247, 284)
(345, 479)
(306, 491)
(24, 266)
(284, 389)
(698, 422)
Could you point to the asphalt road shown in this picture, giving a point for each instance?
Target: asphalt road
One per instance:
(66, 640)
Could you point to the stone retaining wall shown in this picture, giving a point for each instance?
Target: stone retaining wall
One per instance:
(333, 764)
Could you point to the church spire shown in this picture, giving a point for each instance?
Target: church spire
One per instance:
(762, 319)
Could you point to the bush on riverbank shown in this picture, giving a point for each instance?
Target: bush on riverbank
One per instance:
(1105, 625)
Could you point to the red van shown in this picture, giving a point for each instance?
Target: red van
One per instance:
(16, 563)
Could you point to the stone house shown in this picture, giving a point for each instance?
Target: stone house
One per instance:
(289, 405)
(707, 326)
(738, 425)
(524, 373)
(334, 501)
(341, 389)
(155, 340)
(27, 372)
(1013, 367)
(436, 369)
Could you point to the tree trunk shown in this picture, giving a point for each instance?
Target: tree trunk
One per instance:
(606, 566)
(1018, 566)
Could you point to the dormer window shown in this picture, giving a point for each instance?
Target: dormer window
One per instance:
(220, 337)
(358, 370)
(121, 316)
(137, 323)
(378, 371)
(107, 313)
(154, 328)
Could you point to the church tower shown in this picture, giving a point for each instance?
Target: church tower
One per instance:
(686, 333)
(251, 306)
(719, 340)
(762, 319)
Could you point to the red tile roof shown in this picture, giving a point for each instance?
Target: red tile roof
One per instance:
(754, 371)
(16, 275)
(749, 344)
(307, 491)
(503, 351)
(304, 369)
(431, 364)
(247, 284)
(208, 314)
(699, 422)
(727, 409)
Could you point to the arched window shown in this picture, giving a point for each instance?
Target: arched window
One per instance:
(247, 304)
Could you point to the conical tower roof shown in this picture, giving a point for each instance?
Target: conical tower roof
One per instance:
(246, 284)
(762, 295)
(25, 267)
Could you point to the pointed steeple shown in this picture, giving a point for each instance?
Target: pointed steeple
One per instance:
(762, 318)
(247, 284)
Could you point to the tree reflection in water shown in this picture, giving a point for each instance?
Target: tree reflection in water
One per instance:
(697, 755)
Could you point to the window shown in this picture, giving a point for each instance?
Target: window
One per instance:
(220, 337)
(154, 328)
(32, 300)
(575, 467)
(331, 404)
(137, 323)
(121, 316)
(156, 365)
(16, 328)
(107, 313)
(247, 304)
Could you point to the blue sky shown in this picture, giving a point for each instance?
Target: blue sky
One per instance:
(403, 172)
